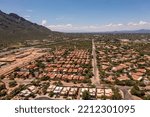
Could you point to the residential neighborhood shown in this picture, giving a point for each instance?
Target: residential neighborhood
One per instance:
(88, 69)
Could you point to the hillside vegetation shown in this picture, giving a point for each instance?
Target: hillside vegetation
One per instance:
(14, 28)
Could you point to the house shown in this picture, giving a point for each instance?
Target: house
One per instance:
(70, 70)
(108, 92)
(92, 92)
(75, 70)
(70, 77)
(81, 78)
(51, 88)
(52, 76)
(137, 75)
(32, 89)
(64, 77)
(65, 70)
(58, 90)
(65, 91)
(25, 93)
(80, 69)
(55, 70)
(104, 67)
(110, 78)
(73, 91)
(100, 92)
(59, 76)
(75, 77)
(123, 77)
(119, 67)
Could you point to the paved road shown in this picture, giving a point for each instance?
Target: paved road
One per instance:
(125, 90)
(95, 79)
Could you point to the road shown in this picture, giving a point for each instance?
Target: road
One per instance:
(125, 90)
(96, 78)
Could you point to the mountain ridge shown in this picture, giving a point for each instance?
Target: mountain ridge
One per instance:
(133, 31)
(14, 27)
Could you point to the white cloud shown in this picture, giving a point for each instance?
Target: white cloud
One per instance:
(109, 25)
(113, 25)
(142, 23)
(74, 28)
(100, 28)
(44, 22)
(61, 26)
(132, 24)
(69, 25)
(137, 23)
(119, 24)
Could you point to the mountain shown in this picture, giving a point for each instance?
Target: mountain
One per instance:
(144, 31)
(141, 31)
(13, 28)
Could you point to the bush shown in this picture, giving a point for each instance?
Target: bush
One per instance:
(44, 87)
(142, 84)
(103, 97)
(2, 77)
(59, 83)
(17, 69)
(125, 82)
(116, 94)
(51, 94)
(86, 95)
(45, 78)
(3, 92)
(40, 64)
(16, 91)
(147, 97)
(12, 83)
(117, 82)
(136, 91)
(130, 82)
(2, 86)
(87, 81)
(36, 82)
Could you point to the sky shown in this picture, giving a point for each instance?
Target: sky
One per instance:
(83, 15)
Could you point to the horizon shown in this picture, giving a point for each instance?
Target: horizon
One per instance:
(83, 16)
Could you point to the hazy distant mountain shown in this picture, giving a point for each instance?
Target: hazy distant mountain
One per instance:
(14, 27)
(144, 31)
(133, 31)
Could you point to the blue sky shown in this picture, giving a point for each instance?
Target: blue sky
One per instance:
(83, 15)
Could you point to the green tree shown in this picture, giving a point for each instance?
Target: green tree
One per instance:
(86, 95)
(147, 97)
(116, 94)
(17, 69)
(3, 92)
(51, 94)
(2, 86)
(40, 64)
(12, 83)
(136, 91)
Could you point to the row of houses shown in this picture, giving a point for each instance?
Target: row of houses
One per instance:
(66, 92)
